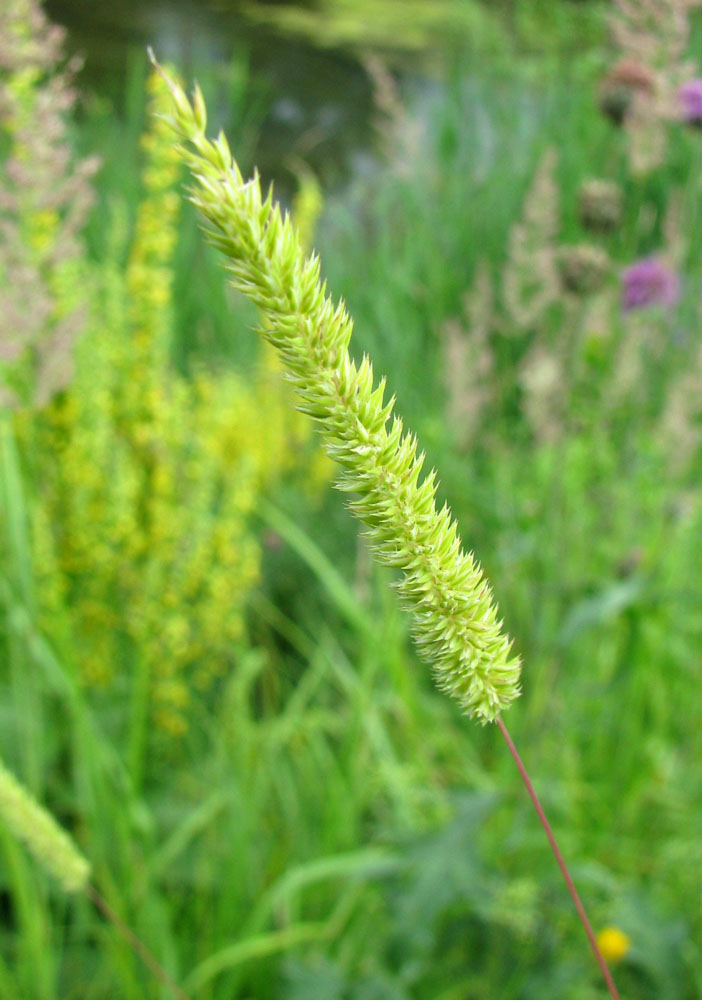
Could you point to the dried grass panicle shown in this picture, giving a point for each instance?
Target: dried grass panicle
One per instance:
(468, 358)
(680, 427)
(456, 623)
(45, 195)
(544, 386)
(530, 280)
(401, 134)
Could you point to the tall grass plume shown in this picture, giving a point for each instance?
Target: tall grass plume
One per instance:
(456, 623)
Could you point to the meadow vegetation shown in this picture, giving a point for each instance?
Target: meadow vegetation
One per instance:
(203, 676)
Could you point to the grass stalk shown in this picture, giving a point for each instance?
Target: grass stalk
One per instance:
(135, 943)
(577, 902)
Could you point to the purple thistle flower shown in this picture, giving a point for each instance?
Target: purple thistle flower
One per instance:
(649, 282)
(690, 97)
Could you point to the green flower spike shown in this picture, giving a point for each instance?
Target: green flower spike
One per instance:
(43, 837)
(455, 619)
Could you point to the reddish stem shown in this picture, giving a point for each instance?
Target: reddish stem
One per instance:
(561, 862)
(134, 943)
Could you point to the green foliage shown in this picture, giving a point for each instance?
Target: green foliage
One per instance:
(579, 485)
(325, 825)
(379, 22)
(420, 26)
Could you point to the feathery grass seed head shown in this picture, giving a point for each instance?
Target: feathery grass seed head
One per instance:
(456, 625)
(43, 837)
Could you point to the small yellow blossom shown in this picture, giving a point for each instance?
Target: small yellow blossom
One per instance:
(613, 943)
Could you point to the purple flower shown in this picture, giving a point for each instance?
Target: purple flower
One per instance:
(690, 97)
(649, 282)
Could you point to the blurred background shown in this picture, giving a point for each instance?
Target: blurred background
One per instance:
(202, 674)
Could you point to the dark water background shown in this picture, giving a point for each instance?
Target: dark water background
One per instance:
(319, 101)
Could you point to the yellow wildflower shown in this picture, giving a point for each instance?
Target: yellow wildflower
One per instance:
(613, 943)
(152, 478)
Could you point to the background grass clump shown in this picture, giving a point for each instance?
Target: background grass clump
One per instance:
(203, 676)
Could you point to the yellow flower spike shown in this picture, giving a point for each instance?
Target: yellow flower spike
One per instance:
(614, 944)
(153, 477)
